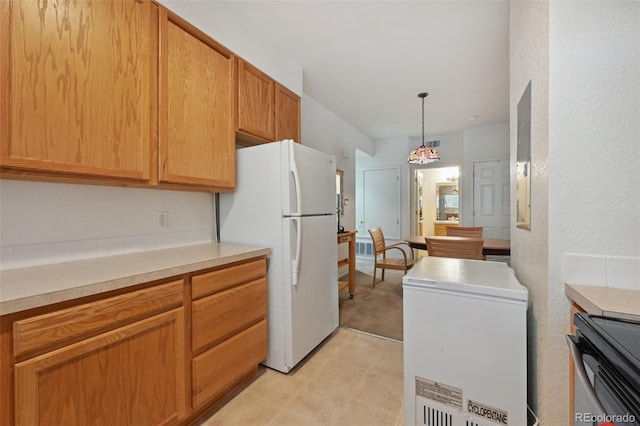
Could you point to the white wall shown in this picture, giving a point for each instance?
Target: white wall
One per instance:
(326, 132)
(456, 149)
(583, 60)
(45, 223)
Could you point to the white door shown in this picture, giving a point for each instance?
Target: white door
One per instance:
(313, 301)
(491, 198)
(380, 203)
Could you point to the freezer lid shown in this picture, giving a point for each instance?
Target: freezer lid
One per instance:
(477, 277)
(308, 181)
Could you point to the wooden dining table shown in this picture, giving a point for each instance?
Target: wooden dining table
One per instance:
(491, 246)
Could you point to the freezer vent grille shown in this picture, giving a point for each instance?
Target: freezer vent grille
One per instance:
(434, 417)
(364, 248)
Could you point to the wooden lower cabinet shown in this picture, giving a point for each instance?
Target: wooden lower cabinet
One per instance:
(226, 313)
(133, 375)
(148, 356)
(221, 367)
(228, 328)
(440, 229)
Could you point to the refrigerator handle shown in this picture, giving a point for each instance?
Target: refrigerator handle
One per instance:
(296, 179)
(296, 260)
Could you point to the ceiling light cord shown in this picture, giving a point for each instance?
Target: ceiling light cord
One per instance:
(423, 95)
(422, 154)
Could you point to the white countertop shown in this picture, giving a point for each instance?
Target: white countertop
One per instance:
(605, 301)
(27, 288)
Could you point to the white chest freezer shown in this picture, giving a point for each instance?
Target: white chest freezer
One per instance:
(465, 344)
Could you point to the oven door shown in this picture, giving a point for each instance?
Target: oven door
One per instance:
(601, 394)
(587, 408)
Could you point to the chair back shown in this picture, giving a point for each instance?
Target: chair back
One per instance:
(458, 247)
(464, 231)
(378, 239)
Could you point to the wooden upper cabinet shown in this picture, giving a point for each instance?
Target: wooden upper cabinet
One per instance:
(287, 114)
(75, 87)
(256, 97)
(196, 125)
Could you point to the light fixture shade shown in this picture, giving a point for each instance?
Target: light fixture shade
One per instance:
(423, 155)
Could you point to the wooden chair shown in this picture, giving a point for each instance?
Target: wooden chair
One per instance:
(382, 261)
(458, 247)
(464, 231)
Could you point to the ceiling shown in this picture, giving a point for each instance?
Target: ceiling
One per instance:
(367, 60)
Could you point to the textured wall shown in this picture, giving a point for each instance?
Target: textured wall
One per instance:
(529, 60)
(594, 152)
(583, 60)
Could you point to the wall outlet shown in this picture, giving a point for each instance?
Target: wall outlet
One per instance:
(163, 219)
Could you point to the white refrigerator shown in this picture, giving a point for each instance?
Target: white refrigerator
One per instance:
(465, 344)
(285, 199)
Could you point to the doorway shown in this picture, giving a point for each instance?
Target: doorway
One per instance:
(436, 198)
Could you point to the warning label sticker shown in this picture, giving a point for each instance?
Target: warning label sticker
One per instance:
(488, 412)
(439, 392)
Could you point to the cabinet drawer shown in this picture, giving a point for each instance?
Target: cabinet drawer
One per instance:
(74, 323)
(222, 279)
(225, 364)
(223, 314)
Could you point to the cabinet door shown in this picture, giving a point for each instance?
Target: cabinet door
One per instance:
(197, 132)
(287, 114)
(75, 87)
(75, 385)
(256, 93)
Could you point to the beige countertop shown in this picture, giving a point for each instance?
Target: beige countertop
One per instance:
(605, 301)
(27, 288)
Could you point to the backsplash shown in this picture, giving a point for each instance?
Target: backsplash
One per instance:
(13, 257)
(43, 223)
(603, 271)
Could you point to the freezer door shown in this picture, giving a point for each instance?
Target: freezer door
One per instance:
(308, 180)
(311, 300)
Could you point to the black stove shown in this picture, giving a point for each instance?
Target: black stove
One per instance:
(611, 350)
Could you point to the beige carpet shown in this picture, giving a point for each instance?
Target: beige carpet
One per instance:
(377, 311)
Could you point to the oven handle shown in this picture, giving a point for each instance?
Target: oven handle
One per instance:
(584, 379)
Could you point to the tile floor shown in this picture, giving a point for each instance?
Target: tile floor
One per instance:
(352, 379)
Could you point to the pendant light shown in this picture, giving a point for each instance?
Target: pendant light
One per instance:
(423, 154)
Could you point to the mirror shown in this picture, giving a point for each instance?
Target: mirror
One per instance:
(447, 201)
(426, 195)
(339, 192)
(523, 161)
(339, 198)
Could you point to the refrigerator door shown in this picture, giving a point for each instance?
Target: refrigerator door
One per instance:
(311, 303)
(308, 181)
